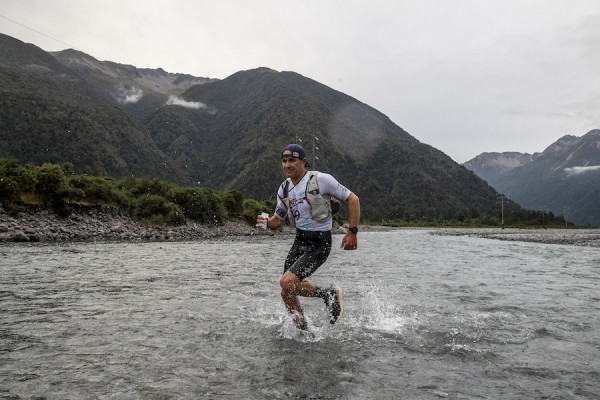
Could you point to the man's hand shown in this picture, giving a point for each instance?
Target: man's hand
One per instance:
(261, 222)
(273, 222)
(349, 242)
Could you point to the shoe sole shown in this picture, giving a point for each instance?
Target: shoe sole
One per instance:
(341, 301)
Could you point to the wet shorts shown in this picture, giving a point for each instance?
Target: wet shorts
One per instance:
(308, 253)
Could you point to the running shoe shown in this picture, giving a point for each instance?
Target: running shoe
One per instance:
(302, 327)
(335, 304)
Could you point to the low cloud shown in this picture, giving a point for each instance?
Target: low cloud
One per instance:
(582, 170)
(129, 95)
(176, 101)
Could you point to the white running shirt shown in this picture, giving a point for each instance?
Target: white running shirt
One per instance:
(300, 207)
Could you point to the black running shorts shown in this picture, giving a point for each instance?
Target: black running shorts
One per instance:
(308, 253)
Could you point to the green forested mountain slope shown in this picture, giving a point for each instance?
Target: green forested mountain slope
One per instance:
(48, 115)
(253, 114)
(224, 134)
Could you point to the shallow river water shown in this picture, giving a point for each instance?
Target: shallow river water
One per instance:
(426, 317)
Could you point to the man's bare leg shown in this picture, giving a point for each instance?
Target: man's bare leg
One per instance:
(291, 288)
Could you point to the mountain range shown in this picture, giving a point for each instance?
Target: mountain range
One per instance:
(564, 178)
(118, 120)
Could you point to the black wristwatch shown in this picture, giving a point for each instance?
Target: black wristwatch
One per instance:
(353, 229)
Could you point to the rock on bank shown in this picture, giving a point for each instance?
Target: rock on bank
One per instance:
(105, 224)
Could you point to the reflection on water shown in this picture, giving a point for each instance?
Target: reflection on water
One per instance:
(425, 317)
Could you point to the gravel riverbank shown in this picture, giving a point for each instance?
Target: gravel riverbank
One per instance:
(108, 224)
(576, 237)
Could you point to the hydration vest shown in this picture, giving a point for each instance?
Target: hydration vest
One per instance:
(322, 206)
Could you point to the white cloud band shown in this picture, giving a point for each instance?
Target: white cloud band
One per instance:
(176, 101)
(581, 170)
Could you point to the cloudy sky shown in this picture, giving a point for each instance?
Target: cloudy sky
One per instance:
(465, 76)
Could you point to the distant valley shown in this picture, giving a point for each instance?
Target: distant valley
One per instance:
(564, 178)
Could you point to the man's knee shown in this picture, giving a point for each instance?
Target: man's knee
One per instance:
(288, 283)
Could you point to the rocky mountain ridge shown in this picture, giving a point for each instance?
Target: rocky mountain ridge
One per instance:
(153, 80)
(488, 165)
(564, 178)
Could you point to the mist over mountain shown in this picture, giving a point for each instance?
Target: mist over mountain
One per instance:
(564, 178)
(138, 91)
(225, 134)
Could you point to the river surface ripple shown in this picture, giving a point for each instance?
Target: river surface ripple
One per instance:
(426, 317)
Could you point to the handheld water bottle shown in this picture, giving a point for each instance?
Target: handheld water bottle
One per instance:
(265, 220)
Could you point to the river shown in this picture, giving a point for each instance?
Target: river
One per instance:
(426, 317)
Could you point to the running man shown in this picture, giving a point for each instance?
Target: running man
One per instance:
(313, 231)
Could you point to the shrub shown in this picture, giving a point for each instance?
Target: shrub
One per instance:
(50, 179)
(92, 189)
(157, 209)
(234, 203)
(15, 181)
